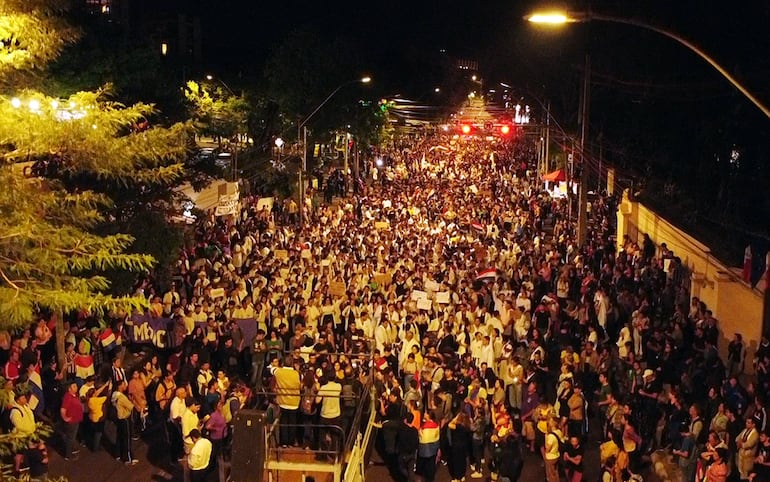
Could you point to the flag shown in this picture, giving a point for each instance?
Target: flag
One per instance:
(487, 275)
(747, 255)
(478, 227)
(107, 339)
(84, 366)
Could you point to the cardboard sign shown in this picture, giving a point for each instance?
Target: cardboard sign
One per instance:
(281, 254)
(227, 204)
(325, 263)
(387, 204)
(473, 189)
(265, 202)
(337, 288)
(431, 285)
(424, 305)
(382, 279)
(419, 295)
(306, 254)
(217, 293)
(442, 297)
(284, 272)
(382, 225)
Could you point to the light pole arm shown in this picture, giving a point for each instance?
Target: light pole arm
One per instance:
(636, 23)
(327, 99)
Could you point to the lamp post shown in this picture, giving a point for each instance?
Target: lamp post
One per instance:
(554, 18)
(560, 18)
(211, 78)
(302, 133)
(279, 145)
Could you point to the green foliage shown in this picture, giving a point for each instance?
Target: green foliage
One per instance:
(215, 111)
(32, 33)
(304, 68)
(11, 443)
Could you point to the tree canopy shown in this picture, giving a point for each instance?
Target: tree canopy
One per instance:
(71, 171)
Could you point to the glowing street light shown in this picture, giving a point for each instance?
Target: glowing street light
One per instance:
(279, 142)
(16, 102)
(550, 18)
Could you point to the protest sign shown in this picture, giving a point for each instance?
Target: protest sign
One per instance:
(442, 297)
(265, 202)
(337, 288)
(423, 304)
(217, 293)
(419, 295)
(281, 254)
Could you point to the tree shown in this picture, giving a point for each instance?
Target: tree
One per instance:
(216, 112)
(32, 33)
(77, 150)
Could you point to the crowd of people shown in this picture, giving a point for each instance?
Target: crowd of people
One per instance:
(452, 285)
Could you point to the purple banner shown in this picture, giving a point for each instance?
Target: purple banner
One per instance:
(148, 329)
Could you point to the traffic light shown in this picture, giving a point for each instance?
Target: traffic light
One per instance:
(466, 129)
(505, 129)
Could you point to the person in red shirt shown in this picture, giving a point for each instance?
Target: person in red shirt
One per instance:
(71, 414)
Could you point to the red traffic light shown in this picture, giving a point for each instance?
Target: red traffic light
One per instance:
(466, 129)
(505, 129)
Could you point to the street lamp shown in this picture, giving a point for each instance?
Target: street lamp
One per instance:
(211, 78)
(302, 129)
(553, 18)
(561, 18)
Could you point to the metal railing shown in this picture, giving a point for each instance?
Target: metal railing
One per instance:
(336, 452)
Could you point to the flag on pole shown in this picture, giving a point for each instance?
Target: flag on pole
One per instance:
(84, 366)
(747, 258)
(107, 339)
(489, 274)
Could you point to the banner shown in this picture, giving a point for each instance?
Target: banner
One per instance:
(249, 329)
(147, 329)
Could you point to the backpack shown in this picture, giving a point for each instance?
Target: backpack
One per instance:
(227, 411)
(5, 420)
(348, 396)
(307, 404)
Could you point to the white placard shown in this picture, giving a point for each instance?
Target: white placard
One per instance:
(442, 297)
(419, 295)
(424, 304)
(227, 204)
(387, 203)
(265, 202)
(431, 285)
(217, 293)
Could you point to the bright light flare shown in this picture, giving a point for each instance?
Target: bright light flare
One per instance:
(16, 102)
(34, 105)
(505, 129)
(366, 80)
(466, 129)
(549, 18)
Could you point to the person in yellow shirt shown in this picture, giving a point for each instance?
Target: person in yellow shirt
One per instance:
(96, 400)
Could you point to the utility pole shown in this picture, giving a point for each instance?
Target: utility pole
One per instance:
(583, 193)
(301, 178)
(547, 136)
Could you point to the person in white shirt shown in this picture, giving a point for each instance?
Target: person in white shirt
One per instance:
(200, 456)
(190, 421)
(329, 398)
